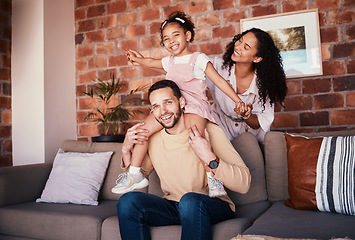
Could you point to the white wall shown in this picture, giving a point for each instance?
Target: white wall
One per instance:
(43, 78)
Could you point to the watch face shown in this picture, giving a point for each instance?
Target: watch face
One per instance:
(213, 164)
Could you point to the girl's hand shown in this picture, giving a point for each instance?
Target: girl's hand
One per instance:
(132, 56)
(243, 109)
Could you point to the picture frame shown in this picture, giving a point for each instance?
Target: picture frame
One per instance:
(296, 34)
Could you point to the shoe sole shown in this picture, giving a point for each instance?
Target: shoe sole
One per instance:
(141, 184)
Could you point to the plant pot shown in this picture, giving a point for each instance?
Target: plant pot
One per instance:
(109, 138)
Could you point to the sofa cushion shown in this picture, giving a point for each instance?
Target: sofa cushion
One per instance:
(285, 222)
(248, 148)
(76, 178)
(114, 168)
(55, 221)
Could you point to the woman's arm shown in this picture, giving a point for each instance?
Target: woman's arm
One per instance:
(245, 111)
(221, 83)
(137, 58)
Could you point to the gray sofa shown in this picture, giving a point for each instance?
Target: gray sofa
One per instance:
(260, 211)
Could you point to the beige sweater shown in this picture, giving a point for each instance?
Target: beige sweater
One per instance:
(180, 170)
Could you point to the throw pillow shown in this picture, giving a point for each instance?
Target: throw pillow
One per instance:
(321, 173)
(76, 178)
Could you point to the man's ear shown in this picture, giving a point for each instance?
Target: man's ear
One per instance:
(188, 36)
(257, 59)
(182, 102)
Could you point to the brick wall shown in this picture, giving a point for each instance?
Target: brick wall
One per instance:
(105, 29)
(5, 84)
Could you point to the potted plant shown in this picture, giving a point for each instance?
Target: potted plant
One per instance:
(111, 116)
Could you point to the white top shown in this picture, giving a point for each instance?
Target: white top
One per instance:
(223, 106)
(200, 65)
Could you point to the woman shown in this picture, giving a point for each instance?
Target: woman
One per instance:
(252, 65)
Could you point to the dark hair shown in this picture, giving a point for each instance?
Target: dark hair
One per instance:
(181, 19)
(271, 80)
(164, 84)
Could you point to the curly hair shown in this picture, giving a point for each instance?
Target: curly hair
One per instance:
(180, 18)
(271, 80)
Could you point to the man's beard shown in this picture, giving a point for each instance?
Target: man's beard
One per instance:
(176, 119)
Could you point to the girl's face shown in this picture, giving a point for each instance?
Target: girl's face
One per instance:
(175, 40)
(245, 49)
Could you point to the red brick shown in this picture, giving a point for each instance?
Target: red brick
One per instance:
(7, 61)
(97, 36)
(6, 89)
(88, 129)
(345, 83)
(105, 48)
(223, 4)
(329, 4)
(292, 6)
(6, 6)
(249, 2)
(5, 47)
(134, 4)
(331, 129)
(95, 11)
(97, 62)
(317, 85)
(154, 27)
(5, 103)
(107, 22)
(83, 3)
(150, 14)
(129, 72)
(7, 33)
(119, 60)
(80, 117)
(107, 74)
(125, 45)
(135, 30)
(341, 16)
(333, 68)
(150, 42)
(6, 117)
(348, 3)
(5, 160)
(116, 7)
(202, 34)
(86, 103)
(79, 38)
(328, 101)
(342, 117)
(298, 103)
(8, 146)
(234, 16)
(128, 18)
(80, 89)
(86, 77)
(160, 2)
(285, 120)
(350, 99)
(314, 119)
(350, 32)
(293, 87)
(263, 10)
(198, 7)
(80, 64)
(223, 32)
(172, 8)
(211, 48)
(86, 26)
(208, 20)
(322, 19)
(5, 131)
(5, 74)
(325, 52)
(344, 50)
(351, 66)
(146, 72)
(144, 83)
(114, 33)
(329, 34)
(80, 14)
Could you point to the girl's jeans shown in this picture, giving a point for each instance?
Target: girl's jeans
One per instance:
(195, 212)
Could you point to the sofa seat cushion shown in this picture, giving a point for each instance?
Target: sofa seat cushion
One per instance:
(55, 221)
(285, 222)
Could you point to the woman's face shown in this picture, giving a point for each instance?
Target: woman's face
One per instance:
(245, 49)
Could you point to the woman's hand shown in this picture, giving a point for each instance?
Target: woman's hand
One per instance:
(201, 145)
(243, 109)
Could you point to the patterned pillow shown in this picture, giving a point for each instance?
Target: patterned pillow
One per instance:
(321, 173)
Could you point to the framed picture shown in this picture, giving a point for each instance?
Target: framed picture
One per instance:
(296, 35)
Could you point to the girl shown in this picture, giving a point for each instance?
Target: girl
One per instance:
(188, 70)
(252, 65)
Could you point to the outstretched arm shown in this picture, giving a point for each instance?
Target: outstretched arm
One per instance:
(221, 83)
(136, 58)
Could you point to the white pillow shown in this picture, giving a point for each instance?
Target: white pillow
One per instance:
(76, 178)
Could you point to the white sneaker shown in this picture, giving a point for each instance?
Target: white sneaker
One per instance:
(127, 182)
(216, 188)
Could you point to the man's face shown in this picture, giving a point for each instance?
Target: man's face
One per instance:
(166, 108)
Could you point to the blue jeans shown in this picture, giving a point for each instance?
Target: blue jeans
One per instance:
(137, 211)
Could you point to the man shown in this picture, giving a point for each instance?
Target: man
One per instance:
(180, 158)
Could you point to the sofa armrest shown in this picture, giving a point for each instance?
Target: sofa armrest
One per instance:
(21, 184)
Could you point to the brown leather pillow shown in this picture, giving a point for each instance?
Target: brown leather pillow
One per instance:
(302, 157)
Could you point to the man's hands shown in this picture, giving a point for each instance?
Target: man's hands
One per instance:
(201, 145)
(132, 137)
